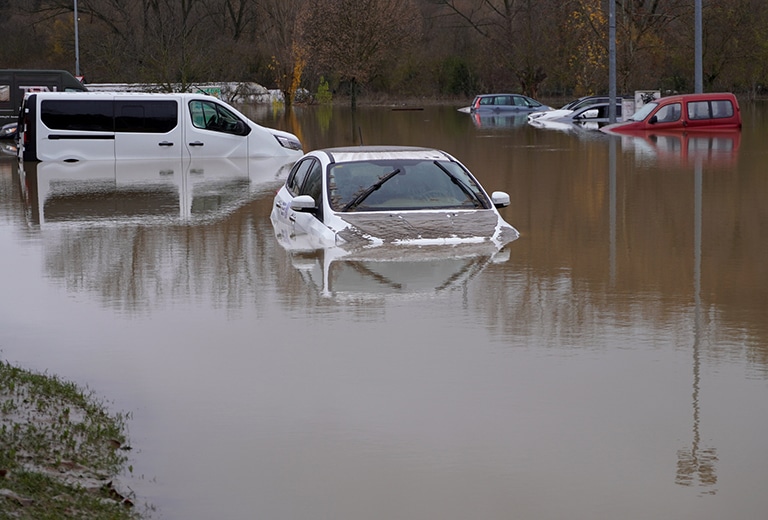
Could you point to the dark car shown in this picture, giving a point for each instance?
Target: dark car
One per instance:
(506, 103)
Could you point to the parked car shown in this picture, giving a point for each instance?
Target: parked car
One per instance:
(8, 131)
(374, 195)
(690, 112)
(506, 103)
(589, 117)
(571, 106)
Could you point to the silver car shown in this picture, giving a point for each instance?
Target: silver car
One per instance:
(506, 103)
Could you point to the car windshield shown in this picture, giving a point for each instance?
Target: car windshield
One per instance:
(387, 185)
(643, 112)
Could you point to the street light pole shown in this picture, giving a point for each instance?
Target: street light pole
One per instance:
(698, 66)
(612, 62)
(77, 45)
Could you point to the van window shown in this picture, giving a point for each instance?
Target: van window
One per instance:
(152, 117)
(722, 108)
(91, 115)
(710, 109)
(208, 115)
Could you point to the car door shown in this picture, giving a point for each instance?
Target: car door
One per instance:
(148, 128)
(212, 130)
(306, 178)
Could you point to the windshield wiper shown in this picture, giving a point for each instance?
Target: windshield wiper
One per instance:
(352, 204)
(476, 200)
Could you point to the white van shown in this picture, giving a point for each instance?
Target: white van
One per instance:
(64, 126)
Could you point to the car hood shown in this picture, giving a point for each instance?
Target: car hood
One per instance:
(425, 228)
(550, 114)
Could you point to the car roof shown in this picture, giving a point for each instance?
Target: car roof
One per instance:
(501, 94)
(696, 97)
(367, 153)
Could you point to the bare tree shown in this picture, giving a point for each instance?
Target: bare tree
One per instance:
(287, 56)
(517, 33)
(354, 38)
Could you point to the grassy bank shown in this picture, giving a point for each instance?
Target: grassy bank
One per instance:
(60, 449)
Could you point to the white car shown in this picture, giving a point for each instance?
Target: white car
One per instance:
(365, 196)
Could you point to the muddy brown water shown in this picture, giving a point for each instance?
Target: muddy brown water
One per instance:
(610, 363)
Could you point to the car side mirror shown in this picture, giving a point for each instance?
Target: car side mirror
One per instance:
(239, 128)
(500, 199)
(653, 120)
(303, 203)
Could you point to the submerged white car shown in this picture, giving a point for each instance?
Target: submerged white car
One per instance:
(365, 196)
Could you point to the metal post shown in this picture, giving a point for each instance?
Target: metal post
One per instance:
(77, 45)
(698, 81)
(612, 61)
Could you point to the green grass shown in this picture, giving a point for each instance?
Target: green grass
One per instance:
(60, 449)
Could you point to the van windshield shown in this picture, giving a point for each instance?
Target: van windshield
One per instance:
(643, 112)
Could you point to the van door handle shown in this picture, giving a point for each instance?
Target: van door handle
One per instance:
(196, 143)
(165, 143)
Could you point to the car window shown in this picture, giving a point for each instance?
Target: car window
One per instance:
(146, 116)
(698, 110)
(211, 116)
(722, 108)
(313, 184)
(297, 176)
(488, 100)
(669, 113)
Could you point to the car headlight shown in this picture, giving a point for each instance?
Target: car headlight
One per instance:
(288, 142)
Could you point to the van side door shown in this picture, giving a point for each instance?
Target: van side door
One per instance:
(148, 128)
(212, 130)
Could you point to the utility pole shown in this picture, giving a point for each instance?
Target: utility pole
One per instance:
(77, 46)
(698, 72)
(612, 61)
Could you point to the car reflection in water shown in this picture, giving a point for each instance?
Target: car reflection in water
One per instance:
(176, 191)
(498, 121)
(392, 272)
(684, 148)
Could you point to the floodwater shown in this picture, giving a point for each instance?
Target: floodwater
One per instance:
(610, 363)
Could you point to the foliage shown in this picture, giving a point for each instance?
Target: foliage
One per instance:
(411, 47)
(589, 59)
(324, 95)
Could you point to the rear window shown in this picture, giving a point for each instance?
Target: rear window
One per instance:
(70, 114)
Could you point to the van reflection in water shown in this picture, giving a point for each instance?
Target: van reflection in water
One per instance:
(179, 191)
(684, 148)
